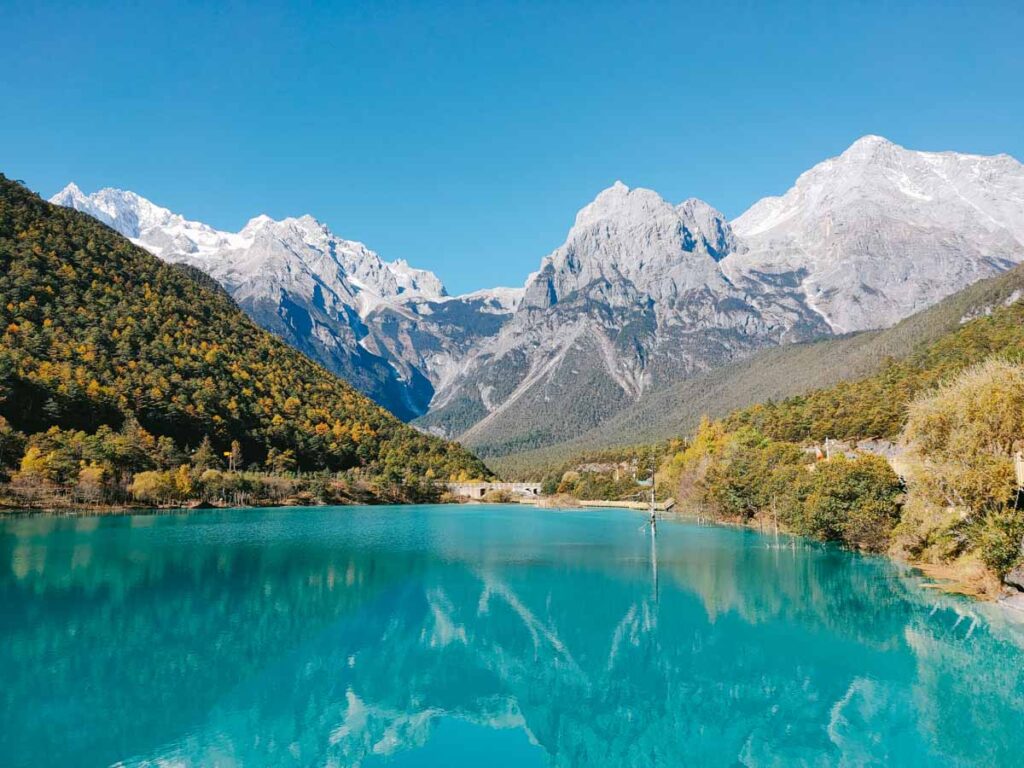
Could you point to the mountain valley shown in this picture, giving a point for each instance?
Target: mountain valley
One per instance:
(642, 297)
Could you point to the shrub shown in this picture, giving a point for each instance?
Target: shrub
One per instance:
(854, 501)
(961, 441)
(999, 540)
(154, 486)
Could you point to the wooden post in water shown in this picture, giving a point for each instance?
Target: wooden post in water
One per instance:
(654, 516)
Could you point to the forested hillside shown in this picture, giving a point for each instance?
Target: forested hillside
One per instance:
(954, 410)
(99, 336)
(877, 406)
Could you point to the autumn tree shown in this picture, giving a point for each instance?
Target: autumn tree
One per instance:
(12, 446)
(154, 486)
(853, 501)
(280, 461)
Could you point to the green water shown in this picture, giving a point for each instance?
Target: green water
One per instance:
(495, 636)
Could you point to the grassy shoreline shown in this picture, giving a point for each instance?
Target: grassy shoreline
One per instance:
(100, 510)
(10, 507)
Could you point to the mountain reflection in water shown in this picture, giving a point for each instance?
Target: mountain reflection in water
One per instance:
(456, 635)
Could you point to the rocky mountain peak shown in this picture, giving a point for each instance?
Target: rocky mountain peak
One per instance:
(869, 145)
(632, 245)
(70, 193)
(881, 231)
(622, 205)
(300, 244)
(708, 226)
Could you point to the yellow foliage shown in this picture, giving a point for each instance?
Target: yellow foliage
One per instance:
(34, 463)
(153, 486)
(183, 481)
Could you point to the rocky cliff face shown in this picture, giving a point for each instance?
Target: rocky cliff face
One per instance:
(633, 300)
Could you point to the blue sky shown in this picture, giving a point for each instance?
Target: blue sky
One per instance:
(464, 137)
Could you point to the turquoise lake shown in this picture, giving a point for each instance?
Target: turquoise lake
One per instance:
(484, 635)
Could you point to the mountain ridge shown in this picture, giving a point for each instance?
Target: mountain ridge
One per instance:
(642, 293)
(334, 299)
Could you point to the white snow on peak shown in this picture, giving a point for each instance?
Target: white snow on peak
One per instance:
(257, 222)
(155, 228)
(413, 281)
(869, 143)
(880, 231)
(500, 298)
(265, 256)
(69, 193)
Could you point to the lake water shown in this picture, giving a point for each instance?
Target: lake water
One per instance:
(496, 636)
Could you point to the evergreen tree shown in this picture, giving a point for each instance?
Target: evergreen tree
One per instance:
(205, 457)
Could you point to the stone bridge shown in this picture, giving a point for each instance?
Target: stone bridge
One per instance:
(479, 490)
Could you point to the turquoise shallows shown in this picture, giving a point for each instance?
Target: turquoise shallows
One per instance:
(484, 636)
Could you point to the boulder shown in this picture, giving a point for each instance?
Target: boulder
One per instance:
(1015, 578)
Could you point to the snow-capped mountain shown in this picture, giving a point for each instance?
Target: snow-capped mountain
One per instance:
(158, 230)
(634, 299)
(881, 231)
(387, 327)
(233, 257)
(641, 294)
